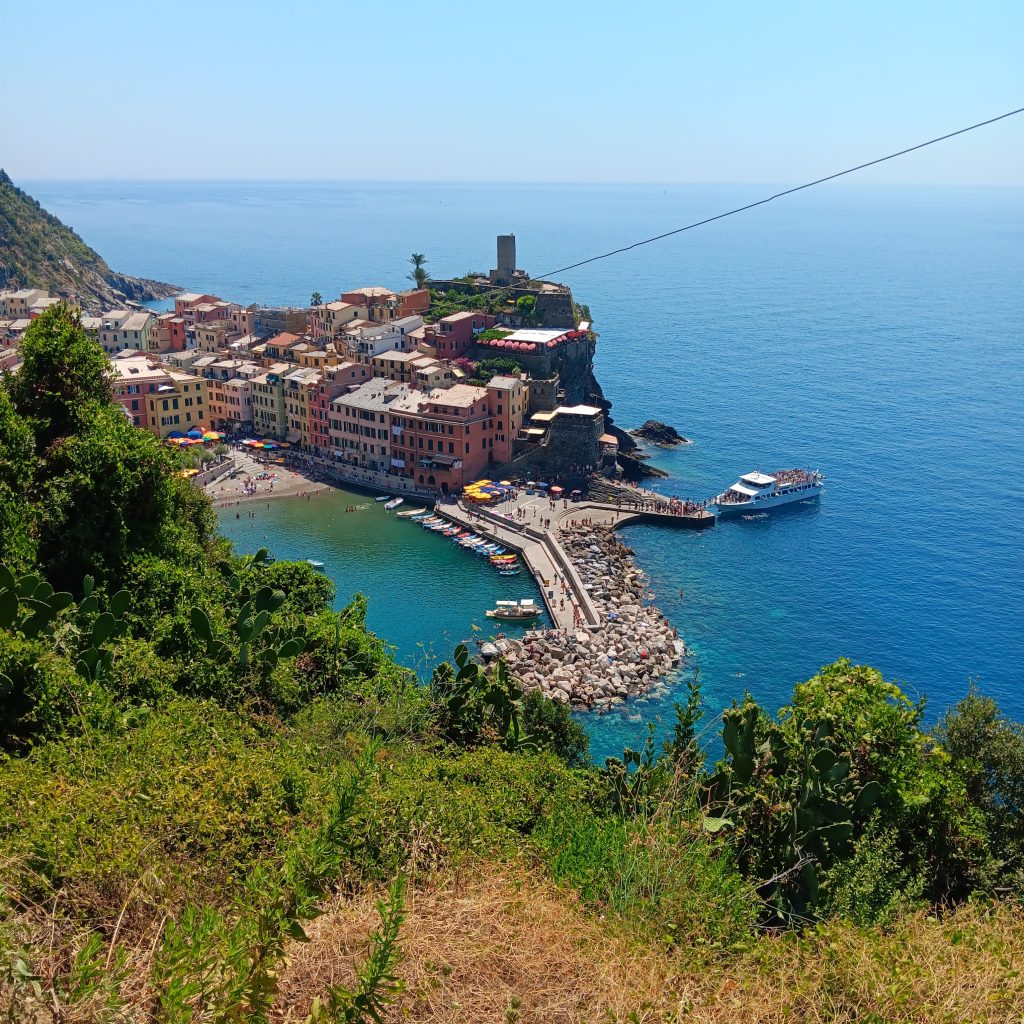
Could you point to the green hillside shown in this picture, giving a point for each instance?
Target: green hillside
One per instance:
(38, 251)
(225, 802)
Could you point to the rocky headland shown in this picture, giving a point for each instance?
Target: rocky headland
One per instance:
(39, 251)
(629, 655)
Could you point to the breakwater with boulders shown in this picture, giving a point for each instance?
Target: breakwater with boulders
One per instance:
(629, 654)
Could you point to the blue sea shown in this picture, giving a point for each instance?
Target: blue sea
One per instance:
(874, 333)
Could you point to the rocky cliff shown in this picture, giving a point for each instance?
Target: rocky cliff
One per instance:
(38, 251)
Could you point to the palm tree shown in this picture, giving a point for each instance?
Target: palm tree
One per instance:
(419, 275)
(316, 299)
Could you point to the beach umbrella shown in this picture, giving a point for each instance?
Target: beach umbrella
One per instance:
(507, 483)
(174, 435)
(284, 444)
(543, 485)
(269, 445)
(196, 435)
(212, 435)
(556, 490)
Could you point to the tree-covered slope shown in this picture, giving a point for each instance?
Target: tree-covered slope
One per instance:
(223, 801)
(38, 251)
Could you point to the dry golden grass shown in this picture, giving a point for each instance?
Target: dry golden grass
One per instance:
(497, 945)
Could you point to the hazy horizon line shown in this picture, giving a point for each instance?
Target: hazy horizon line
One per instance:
(529, 183)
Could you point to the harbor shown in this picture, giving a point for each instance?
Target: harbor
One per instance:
(609, 643)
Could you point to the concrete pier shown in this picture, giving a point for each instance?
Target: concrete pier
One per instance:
(544, 557)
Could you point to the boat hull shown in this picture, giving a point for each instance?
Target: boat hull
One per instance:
(765, 503)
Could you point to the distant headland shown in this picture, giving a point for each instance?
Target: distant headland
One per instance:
(38, 251)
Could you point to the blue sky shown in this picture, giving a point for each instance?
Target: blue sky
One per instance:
(530, 91)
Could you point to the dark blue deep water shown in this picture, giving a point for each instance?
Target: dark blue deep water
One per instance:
(874, 333)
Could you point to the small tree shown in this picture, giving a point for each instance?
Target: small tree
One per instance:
(316, 299)
(418, 274)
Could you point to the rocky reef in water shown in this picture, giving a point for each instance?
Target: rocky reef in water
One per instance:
(660, 434)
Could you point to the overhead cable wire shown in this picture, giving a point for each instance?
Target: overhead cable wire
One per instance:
(778, 195)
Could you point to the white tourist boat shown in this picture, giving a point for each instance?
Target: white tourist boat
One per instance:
(514, 610)
(758, 492)
(393, 504)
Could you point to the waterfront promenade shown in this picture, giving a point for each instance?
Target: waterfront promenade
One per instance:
(566, 598)
(531, 525)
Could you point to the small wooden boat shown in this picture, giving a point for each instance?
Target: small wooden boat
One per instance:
(408, 513)
(509, 572)
(393, 504)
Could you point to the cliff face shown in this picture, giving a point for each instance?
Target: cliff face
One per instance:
(38, 251)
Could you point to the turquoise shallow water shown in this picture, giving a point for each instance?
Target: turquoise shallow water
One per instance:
(873, 333)
(425, 593)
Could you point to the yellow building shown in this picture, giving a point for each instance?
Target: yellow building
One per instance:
(268, 407)
(179, 404)
(300, 388)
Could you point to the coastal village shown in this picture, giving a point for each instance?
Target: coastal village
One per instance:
(371, 387)
(382, 389)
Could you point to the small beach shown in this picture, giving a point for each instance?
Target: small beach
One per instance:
(280, 482)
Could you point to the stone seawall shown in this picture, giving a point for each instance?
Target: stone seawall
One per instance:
(630, 653)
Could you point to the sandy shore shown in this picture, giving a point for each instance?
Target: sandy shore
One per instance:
(285, 483)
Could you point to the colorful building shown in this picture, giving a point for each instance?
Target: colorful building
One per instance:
(334, 381)
(509, 400)
(269, 418)
(124, 329)
(135, 379)
(326, 321)
(300, 387)
(359, 428)
(442, 439)
(179, 404)
(384, 305)
(452, 337)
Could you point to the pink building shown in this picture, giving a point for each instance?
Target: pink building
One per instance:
(168, 334)
(334, 381)
(444, 439)
(508, 402)
(452, 336)
(135, 378)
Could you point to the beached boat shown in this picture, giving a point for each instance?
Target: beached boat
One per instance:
(408, 513)
(514, 610)
(393, 504)
(757, 492)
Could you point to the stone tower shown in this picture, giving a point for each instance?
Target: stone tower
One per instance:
(506, 260)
